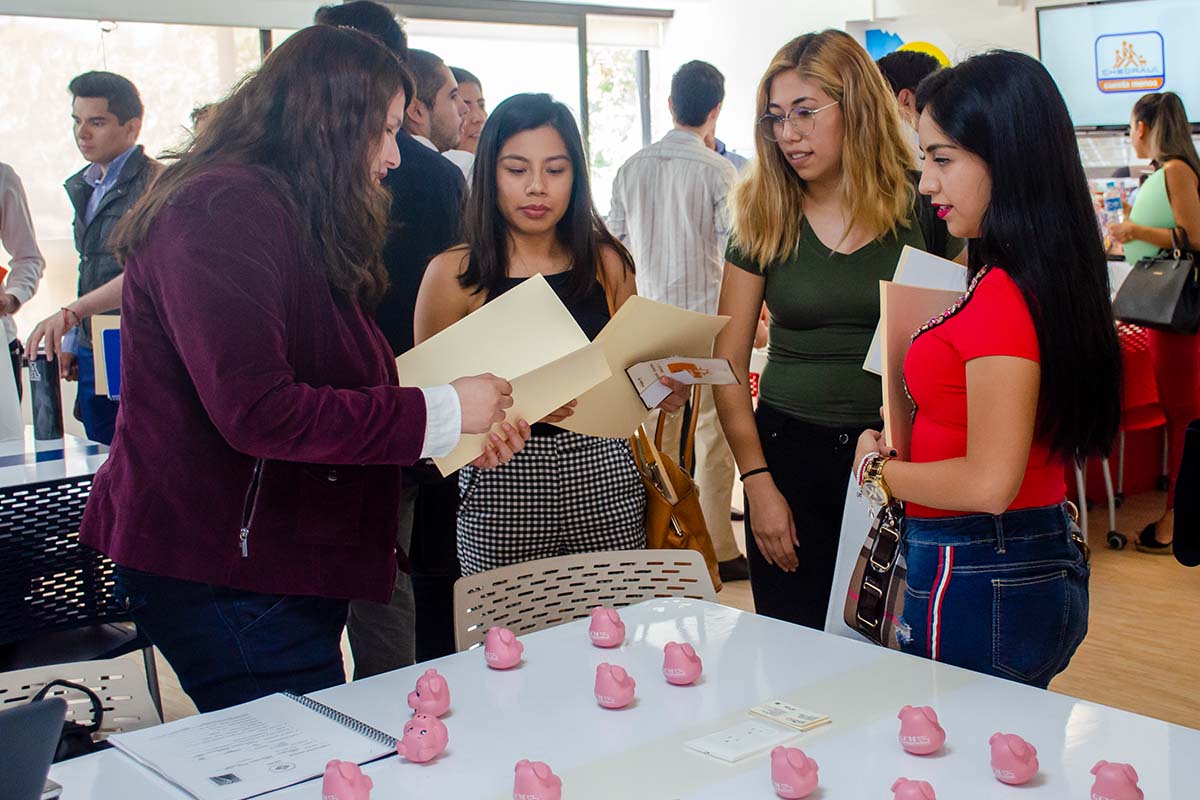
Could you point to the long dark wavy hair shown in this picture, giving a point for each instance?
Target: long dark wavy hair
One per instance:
(1040, 228)
(581, 230)
(311, 118)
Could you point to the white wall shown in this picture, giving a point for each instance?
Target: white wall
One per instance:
(244, 13)
(738, 37)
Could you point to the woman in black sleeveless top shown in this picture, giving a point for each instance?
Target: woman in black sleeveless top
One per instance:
(529, 212)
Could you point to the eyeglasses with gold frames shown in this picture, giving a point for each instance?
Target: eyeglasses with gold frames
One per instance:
(800, 121)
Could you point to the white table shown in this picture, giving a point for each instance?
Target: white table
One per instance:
(545, 711)
(30, 461)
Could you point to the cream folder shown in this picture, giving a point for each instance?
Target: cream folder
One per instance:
(918, 268)
(902, 311)
(641, 330)
(526, 336)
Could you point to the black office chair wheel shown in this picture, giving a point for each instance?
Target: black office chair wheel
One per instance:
(1164, 483)
(1119, 499)
(1117, 540)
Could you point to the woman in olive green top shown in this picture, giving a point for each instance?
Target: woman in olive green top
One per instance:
(820, 219)
(1169, 199)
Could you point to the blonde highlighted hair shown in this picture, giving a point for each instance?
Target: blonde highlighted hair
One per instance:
(768, 205)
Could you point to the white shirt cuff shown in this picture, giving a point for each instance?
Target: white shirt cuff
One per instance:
(443, 421)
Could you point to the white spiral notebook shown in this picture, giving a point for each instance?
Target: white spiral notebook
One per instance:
(254, 748)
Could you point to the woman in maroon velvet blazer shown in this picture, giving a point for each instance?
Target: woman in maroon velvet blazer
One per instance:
(253, 484)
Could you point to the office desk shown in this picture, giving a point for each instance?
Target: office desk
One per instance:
(545, 711)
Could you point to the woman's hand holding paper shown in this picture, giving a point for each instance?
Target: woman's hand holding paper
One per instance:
(497, 450)
(560, 413)
(678, 396)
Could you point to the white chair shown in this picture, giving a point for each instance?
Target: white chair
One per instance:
(122, 688)
(540, 594)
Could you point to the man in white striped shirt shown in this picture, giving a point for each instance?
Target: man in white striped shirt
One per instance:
(669, 209)
(27, 265)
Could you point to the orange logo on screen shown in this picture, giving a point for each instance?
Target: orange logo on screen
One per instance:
(1127, 56)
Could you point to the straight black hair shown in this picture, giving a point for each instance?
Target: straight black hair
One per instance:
(696, 89)
(581, 230)
(1040, 228)
(465, 76)
(124, 102)
(905, 69)
(368, 17)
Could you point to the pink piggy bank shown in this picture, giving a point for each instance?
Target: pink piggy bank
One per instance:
(793, 774)
(904, 789)
(425, 737)
(432, 695)
(1014, 760)
(607, 629)
(1115, 782)
(501, 649)
(345, 781)
(536, 781)
(614, 686)
(681, 665)
(920, 733)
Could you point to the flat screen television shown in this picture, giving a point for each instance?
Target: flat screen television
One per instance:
(1105, 55)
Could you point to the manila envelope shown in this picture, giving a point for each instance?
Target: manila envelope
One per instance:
(526, 336)
(641, 330)
(902, 311)
(917, 268)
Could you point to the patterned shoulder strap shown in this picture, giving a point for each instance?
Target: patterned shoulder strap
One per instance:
(956, 307)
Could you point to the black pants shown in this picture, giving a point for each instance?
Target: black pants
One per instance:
(434, 558)
(810, 465)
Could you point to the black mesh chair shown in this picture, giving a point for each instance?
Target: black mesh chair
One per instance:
(56, 595)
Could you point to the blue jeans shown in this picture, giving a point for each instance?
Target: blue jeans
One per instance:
(1003, 595)
(98, 414)
(229, 646)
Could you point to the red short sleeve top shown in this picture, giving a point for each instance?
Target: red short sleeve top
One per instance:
(994, 321)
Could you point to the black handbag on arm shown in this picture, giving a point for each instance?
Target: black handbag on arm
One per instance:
(1163, 292)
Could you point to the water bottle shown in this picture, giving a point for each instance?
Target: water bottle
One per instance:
(45, 395)
(1114, 211)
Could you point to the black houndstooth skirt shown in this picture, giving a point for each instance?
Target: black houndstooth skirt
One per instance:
(562, 494)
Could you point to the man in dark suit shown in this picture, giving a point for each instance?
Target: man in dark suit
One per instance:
(427, 197)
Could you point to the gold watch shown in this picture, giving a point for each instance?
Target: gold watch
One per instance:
(874, 487)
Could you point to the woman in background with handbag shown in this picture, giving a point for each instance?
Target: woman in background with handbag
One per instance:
(1007, 383)
(530, 211)
(1168, 203)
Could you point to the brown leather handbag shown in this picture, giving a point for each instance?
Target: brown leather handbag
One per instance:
(674, 519)
(875, 600)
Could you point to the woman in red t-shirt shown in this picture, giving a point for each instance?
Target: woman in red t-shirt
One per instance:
(1015, 378)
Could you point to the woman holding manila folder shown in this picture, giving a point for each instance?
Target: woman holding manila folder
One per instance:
(530, 212)
(1017, 377)
(253, 484)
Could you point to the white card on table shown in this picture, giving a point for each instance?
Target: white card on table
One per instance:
(790, 715)
(741, 741)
